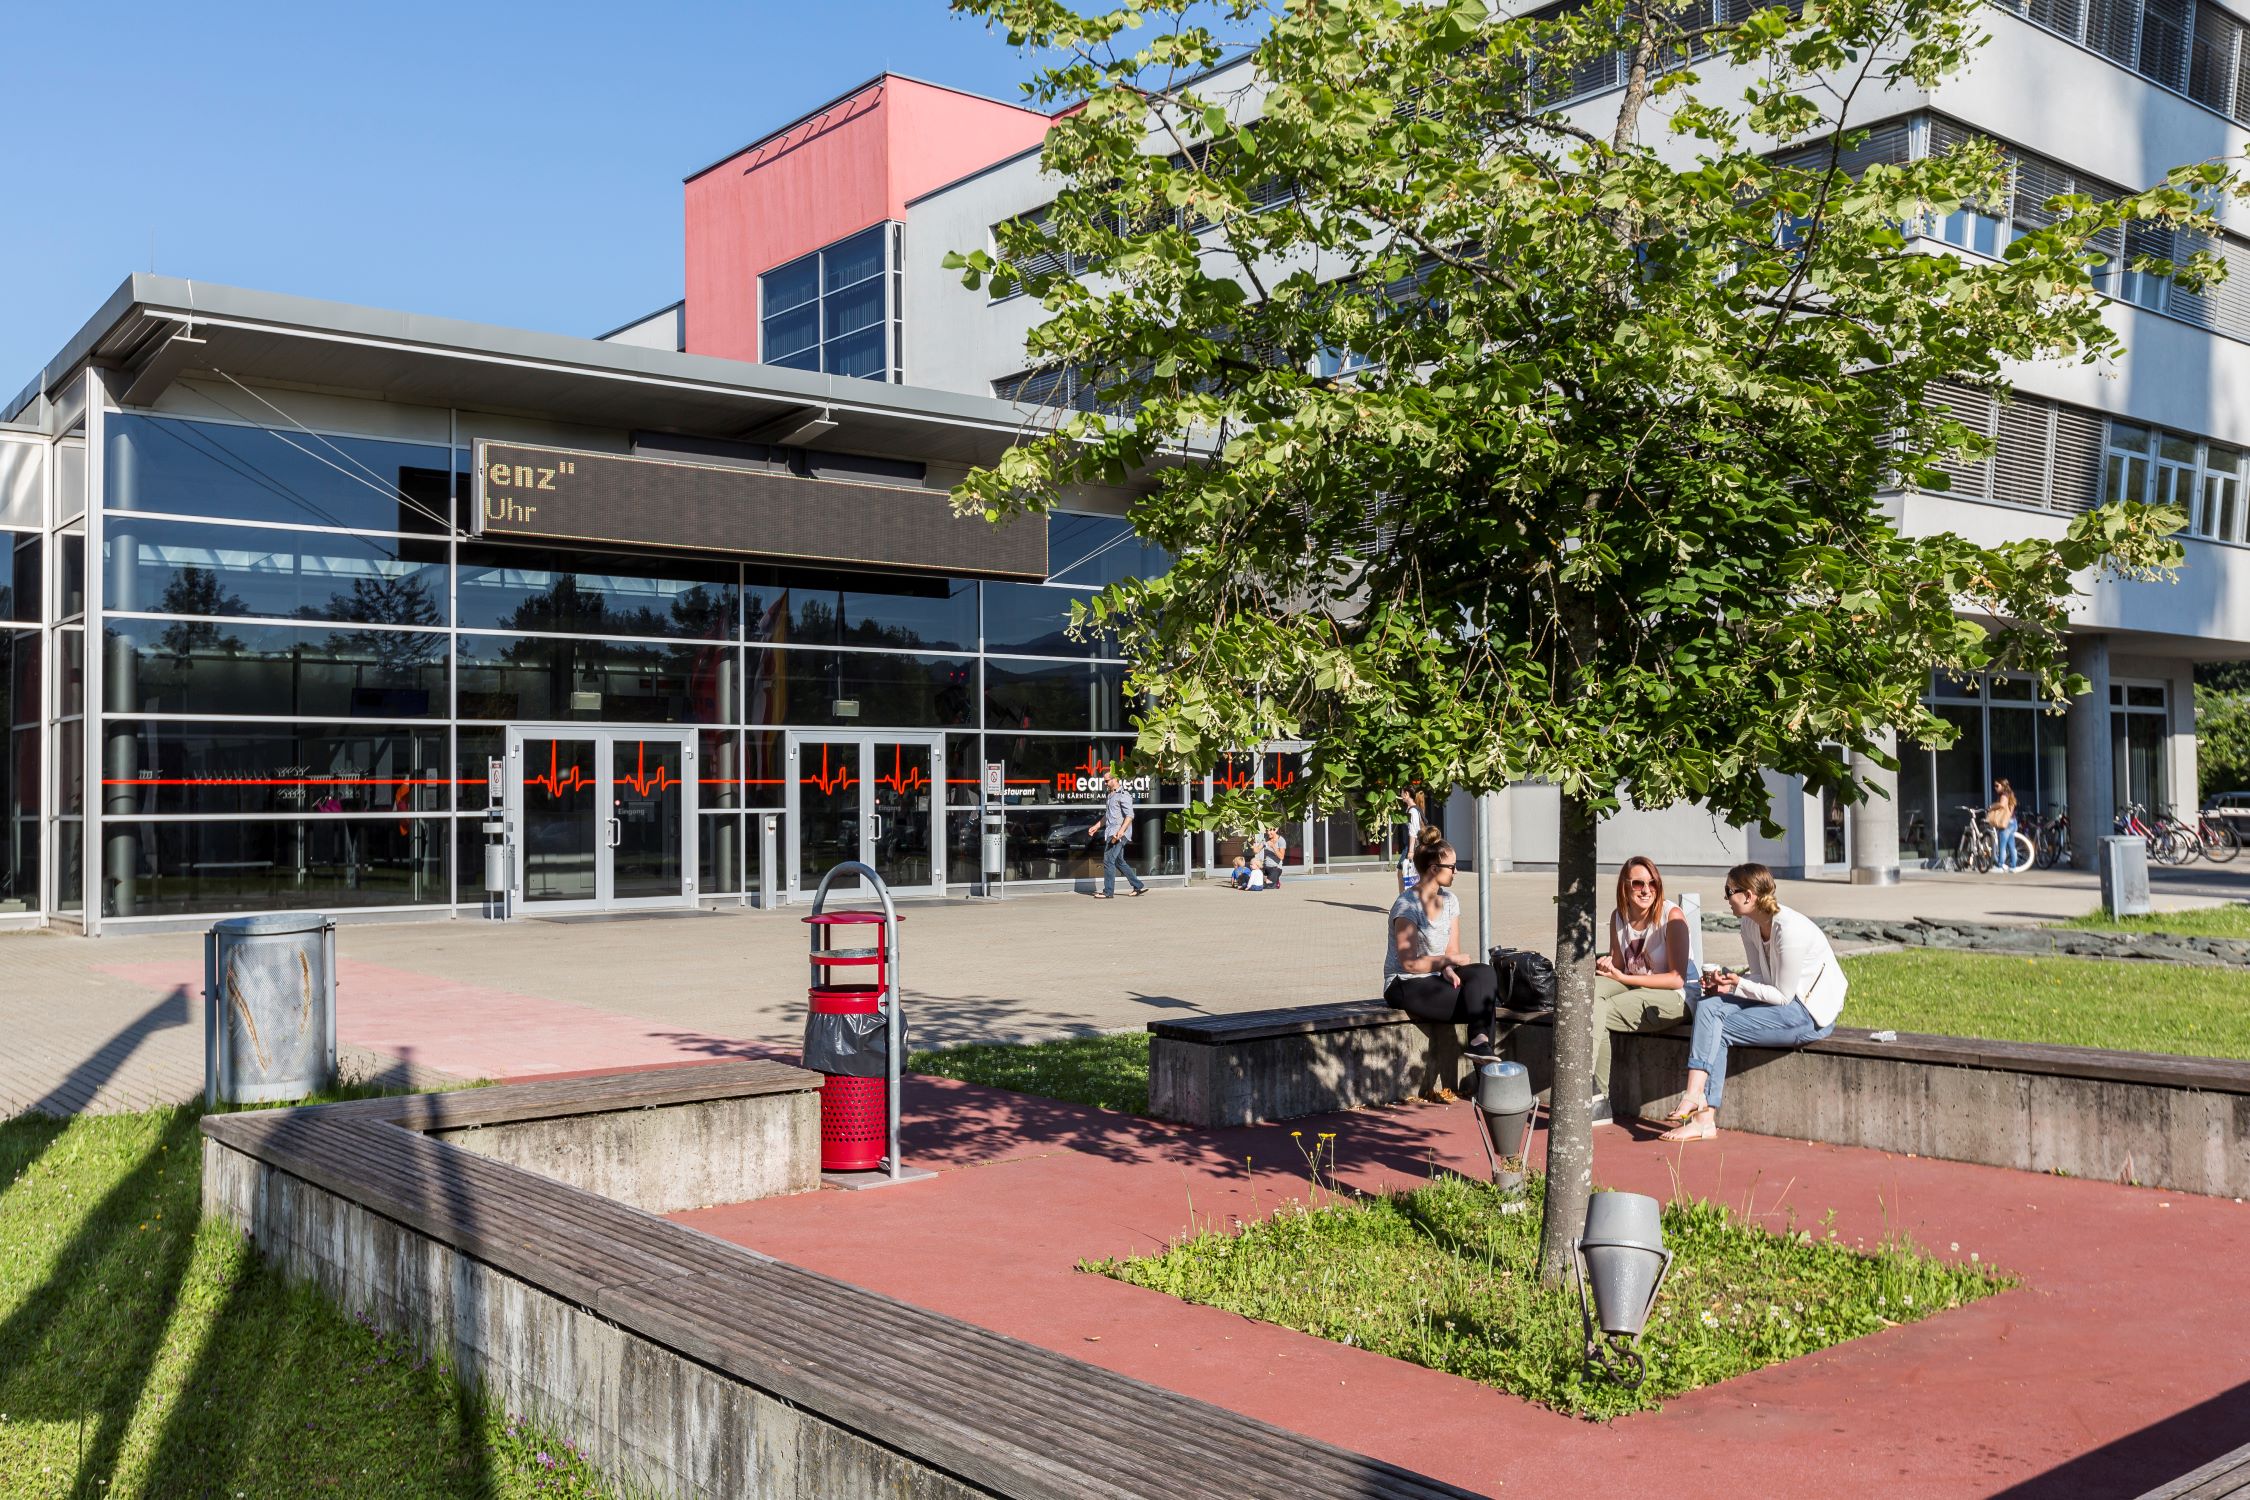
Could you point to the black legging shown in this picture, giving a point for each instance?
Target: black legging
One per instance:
(1433, 997)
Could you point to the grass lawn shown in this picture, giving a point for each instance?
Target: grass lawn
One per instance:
(2229, 921)
(143, 1353)
(1107, 1072)
(2126, 1005)
(1442, 1277)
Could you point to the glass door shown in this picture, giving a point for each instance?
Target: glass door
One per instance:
(600, 819)
(557, 822)
(873, 798)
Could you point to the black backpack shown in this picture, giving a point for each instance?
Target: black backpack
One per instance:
(1527, 979)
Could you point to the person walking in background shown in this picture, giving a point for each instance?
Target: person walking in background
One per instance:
(1412, 802)
(1425, 973)
(1792, 994)
(1115, 830)
(1273, 852)
(1647, 979)
(2002, 816)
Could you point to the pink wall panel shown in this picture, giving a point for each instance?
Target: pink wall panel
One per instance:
(854, 164)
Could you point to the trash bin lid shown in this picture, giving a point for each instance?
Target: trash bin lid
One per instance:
(272, 924)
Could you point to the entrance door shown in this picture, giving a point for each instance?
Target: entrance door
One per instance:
(875, 798)
(601, 819)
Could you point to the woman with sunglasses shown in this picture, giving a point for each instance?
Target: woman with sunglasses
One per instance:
(1425, 973)
(1646, 981)
(1792, 994)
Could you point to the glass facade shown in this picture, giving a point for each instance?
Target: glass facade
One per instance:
(836, 311)
(304, 677)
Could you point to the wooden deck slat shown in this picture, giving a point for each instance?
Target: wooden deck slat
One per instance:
(2224, 1478)
(996, 1411)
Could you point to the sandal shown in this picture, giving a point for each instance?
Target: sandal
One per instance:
(1678, 1116)
(1703, 1127)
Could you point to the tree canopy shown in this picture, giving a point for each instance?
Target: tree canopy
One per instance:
(1498, 436)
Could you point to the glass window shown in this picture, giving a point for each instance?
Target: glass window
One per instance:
(23, 471)
(19, 771)
(164, 766)
(1033, 619)
(1961, 783)
(1048, 769)
(719, 851)
(256, 474)
(1071, 696)
(1952, 685)
(1979, 232)
(1099, 550)
(2144, 695)
(874, 688)
(73, 580)
(827, 311)
(558, 678)
(169, 869)
(180, 568)
(1917, 805)
(2127, 477)
(964, 770)
(278, 671)
(718, 765)
(592, 593)
(19, 578)
(70, 686)
(2221, 515)
(794, 607)
(2011, 689)
(1054, 845)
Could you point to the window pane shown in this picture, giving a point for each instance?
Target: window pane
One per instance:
(793, 285)
(19, 579)
(859, 356)
(2177, 449)
(163, 766)
(1055, 695)
(851, 311)
(874, 689)
(2010, 689)
(1048, 769)
(2127, 438)
(168, 869)
(937, 620)
(253, 474)
(179, 568)
(803, 359)
(2139, 695)
(198, 667)
(790, 333)
(1053, 845)
(848, 262)
(810, 608)
(1099, 550)
(1034, 620)
(513, 677)
(592, 593)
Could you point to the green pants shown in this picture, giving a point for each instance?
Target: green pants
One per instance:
(1622, 1007)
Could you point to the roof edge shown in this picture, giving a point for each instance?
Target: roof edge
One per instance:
(886, 76)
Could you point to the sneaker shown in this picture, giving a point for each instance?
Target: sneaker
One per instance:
(1600, 1110)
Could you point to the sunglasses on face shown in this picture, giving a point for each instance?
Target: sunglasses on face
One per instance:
(1731, 895)
(1449, 865)
(1640, 885)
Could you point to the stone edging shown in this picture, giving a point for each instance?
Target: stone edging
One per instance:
(1994, 937)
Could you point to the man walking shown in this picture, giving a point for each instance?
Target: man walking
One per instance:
(1116, 831)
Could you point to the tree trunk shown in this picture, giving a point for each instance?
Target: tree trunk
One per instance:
(1570, 1122)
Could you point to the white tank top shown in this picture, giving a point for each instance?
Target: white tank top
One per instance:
(1655, 942)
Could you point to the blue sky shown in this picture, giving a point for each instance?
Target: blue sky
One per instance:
(516, 164)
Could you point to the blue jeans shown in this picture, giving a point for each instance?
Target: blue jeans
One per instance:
(2005, 852)
(1721, 1022)
(1113, 865)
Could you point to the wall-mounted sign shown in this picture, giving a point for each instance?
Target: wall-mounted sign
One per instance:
(1078, 786)
(847, 708)
(495, 778)
(562, 494)
(996, 779)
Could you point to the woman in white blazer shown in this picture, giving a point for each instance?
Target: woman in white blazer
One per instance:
(1792, 994)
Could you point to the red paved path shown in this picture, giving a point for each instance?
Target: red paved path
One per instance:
(2124, 1359)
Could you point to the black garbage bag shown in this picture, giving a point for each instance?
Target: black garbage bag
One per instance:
(850, 1046)
(1527, 979)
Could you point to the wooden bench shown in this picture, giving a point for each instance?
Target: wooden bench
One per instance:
(1306, 1060)
(2166, 1121)
(2226, 1477)
(685, 1364)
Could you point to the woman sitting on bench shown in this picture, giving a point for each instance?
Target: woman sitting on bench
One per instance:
(1425, 973)
(1792, 994)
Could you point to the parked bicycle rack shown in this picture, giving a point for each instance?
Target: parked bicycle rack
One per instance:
(842, 1097)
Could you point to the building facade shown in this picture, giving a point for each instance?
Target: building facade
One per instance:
(282, 631)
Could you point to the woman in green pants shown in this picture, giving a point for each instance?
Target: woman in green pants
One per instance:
(1647, 979)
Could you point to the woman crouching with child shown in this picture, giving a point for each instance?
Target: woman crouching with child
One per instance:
(1425, 973)
(1792, 993)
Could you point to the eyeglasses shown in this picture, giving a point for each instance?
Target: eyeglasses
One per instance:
(1450, 865)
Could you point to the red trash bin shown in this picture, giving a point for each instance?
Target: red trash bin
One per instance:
(854, 1112)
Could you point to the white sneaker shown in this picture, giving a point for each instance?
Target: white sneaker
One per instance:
(1601, 1113)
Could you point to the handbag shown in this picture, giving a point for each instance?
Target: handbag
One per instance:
(1998, 814)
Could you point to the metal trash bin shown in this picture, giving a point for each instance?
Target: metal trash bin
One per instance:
(2124, 875)
(269, 1008)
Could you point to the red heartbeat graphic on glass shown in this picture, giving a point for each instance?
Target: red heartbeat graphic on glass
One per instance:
(1234, 776)
(558, 781)
(829, 782)
(903, 779)
(643, 780)
(1068, 780)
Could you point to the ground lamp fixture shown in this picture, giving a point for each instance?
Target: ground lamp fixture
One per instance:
(1619, 1265)
(1504, 1104)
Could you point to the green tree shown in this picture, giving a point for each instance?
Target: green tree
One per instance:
(1492, 447)
(2222, 741)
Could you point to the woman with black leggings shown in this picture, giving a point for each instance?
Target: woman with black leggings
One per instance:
(1425, 973)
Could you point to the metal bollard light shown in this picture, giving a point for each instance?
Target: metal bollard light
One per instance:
(1621, 1262)
(1504, 1104)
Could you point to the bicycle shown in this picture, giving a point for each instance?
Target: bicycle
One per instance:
(2217, 836)
(2169, 841)
(2050, 837)
(1979, 847)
